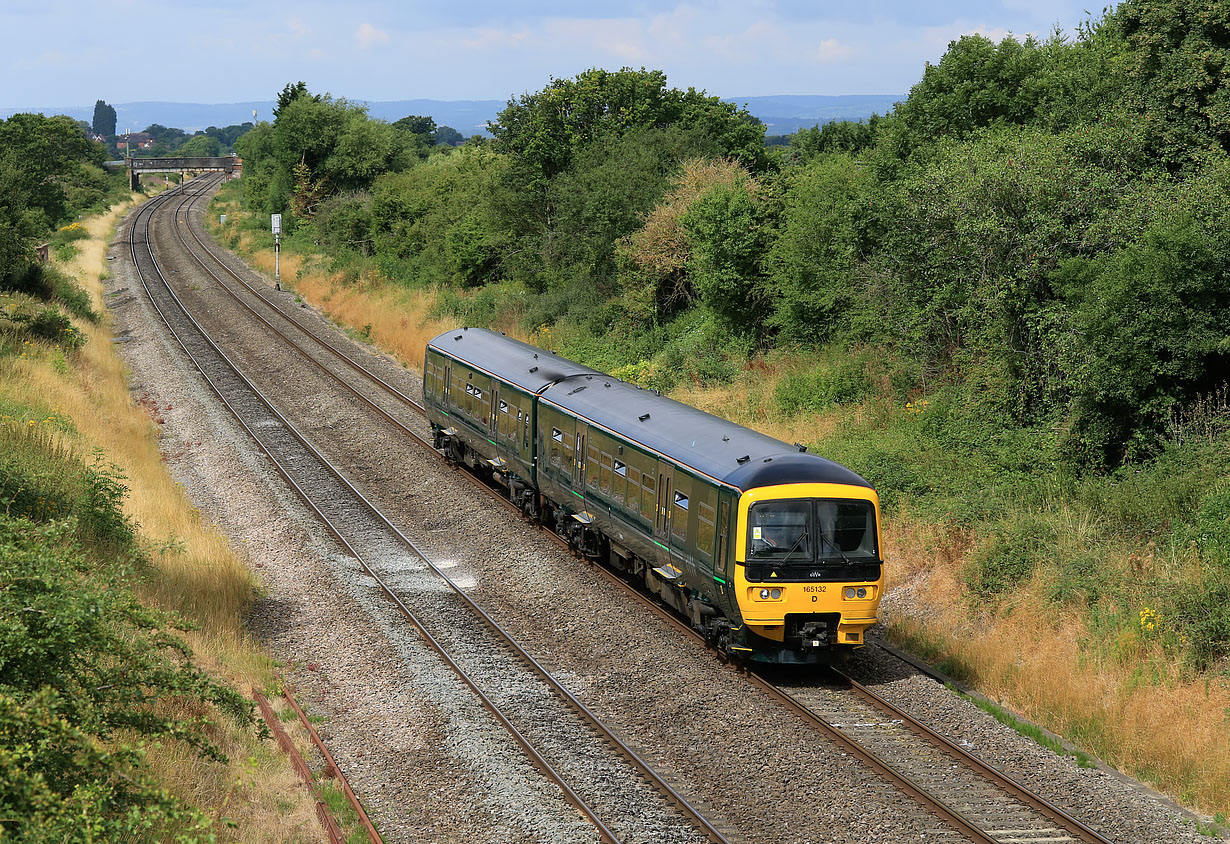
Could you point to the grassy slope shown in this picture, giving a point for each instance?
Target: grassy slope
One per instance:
(1083, 639)
(84, 396)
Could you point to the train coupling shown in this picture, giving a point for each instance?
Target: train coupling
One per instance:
(814, 635)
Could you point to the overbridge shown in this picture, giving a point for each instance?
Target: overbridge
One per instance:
(136, 166)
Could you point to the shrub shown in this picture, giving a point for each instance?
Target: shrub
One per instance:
(816, 389)
(1008, 556)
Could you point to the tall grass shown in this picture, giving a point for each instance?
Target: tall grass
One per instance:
(86, 405)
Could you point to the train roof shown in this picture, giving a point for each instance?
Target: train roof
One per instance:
(528, 367)
(735, 455)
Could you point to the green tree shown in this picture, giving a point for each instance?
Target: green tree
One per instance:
(1154, 319)
(548, 127)
(727, 236)
(449, 135)
(424, 127)
(606, 193)
(104, 119)
(291, 92)
(813, 262)
(1177, 66)
(200, 146)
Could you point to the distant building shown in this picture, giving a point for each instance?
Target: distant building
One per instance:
(139, 140)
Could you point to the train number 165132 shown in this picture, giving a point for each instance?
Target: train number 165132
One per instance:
(817, 588)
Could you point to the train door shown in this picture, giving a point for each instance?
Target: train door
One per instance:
(721, 566)
(578, 464)
(448, 383)
(666, 490)
(493, 416)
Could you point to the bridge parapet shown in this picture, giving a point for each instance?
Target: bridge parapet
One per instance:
(226, 164)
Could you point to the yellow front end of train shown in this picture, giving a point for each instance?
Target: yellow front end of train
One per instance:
(809, 570)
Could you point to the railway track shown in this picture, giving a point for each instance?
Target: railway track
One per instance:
(606, 780)
(978, 801)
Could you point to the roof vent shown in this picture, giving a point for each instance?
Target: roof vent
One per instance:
(578, 389)
(743, 459)
(607, 384)
(800, 447)
(534, 368)
(643, 416)
(725, 438)
(535, 355)
(458, 337)
(768, 460)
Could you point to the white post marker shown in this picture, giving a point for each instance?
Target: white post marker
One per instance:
(277, 248)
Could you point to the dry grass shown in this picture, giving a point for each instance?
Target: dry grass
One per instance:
(1131, 707)
(195, 571)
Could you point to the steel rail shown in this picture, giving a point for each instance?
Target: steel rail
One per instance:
(996, 776)
(587, 715)
(963, 823)
(320, 341)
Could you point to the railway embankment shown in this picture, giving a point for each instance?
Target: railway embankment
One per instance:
(1080, 603)
(127, 668)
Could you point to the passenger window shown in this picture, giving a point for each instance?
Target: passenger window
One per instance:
(679, 516)
(593, 461)
(634, 490)
(649, 496)
(604, 481)
(705, 529)
(619, 482)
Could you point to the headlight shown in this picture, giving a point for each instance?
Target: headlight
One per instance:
(764, 594)
(862, 592)
(776, 593)
(849, 593)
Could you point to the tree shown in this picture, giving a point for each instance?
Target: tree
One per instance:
(449, 135)
(728, 238)
(811, 262)
(200, 146)
(104, 119)
(424, 127)
(289, 94)
(1155, 323)
(1177, 57)
(548, 127)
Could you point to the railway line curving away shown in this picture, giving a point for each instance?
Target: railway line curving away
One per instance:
(428, 760)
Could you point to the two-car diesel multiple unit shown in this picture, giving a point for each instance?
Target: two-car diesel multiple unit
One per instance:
(771, 552)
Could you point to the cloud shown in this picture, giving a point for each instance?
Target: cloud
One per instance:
(368, 36)
(621, 38)
(831, 51)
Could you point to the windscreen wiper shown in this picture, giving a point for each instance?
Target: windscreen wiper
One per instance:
(824, 539)
(796, 544)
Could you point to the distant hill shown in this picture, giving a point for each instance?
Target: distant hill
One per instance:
(782, 114)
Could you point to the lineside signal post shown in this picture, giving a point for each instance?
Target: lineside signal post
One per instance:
(277, 248)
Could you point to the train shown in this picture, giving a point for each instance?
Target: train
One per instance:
(772, 553)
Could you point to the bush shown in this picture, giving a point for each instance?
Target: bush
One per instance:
(48, 284)
(814, 390)
(1009, 554)
(84, 666)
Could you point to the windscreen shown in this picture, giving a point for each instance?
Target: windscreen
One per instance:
(811, 530)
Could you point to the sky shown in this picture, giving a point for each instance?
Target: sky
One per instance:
(70, 52)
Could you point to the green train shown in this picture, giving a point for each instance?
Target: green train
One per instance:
(772, 553)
